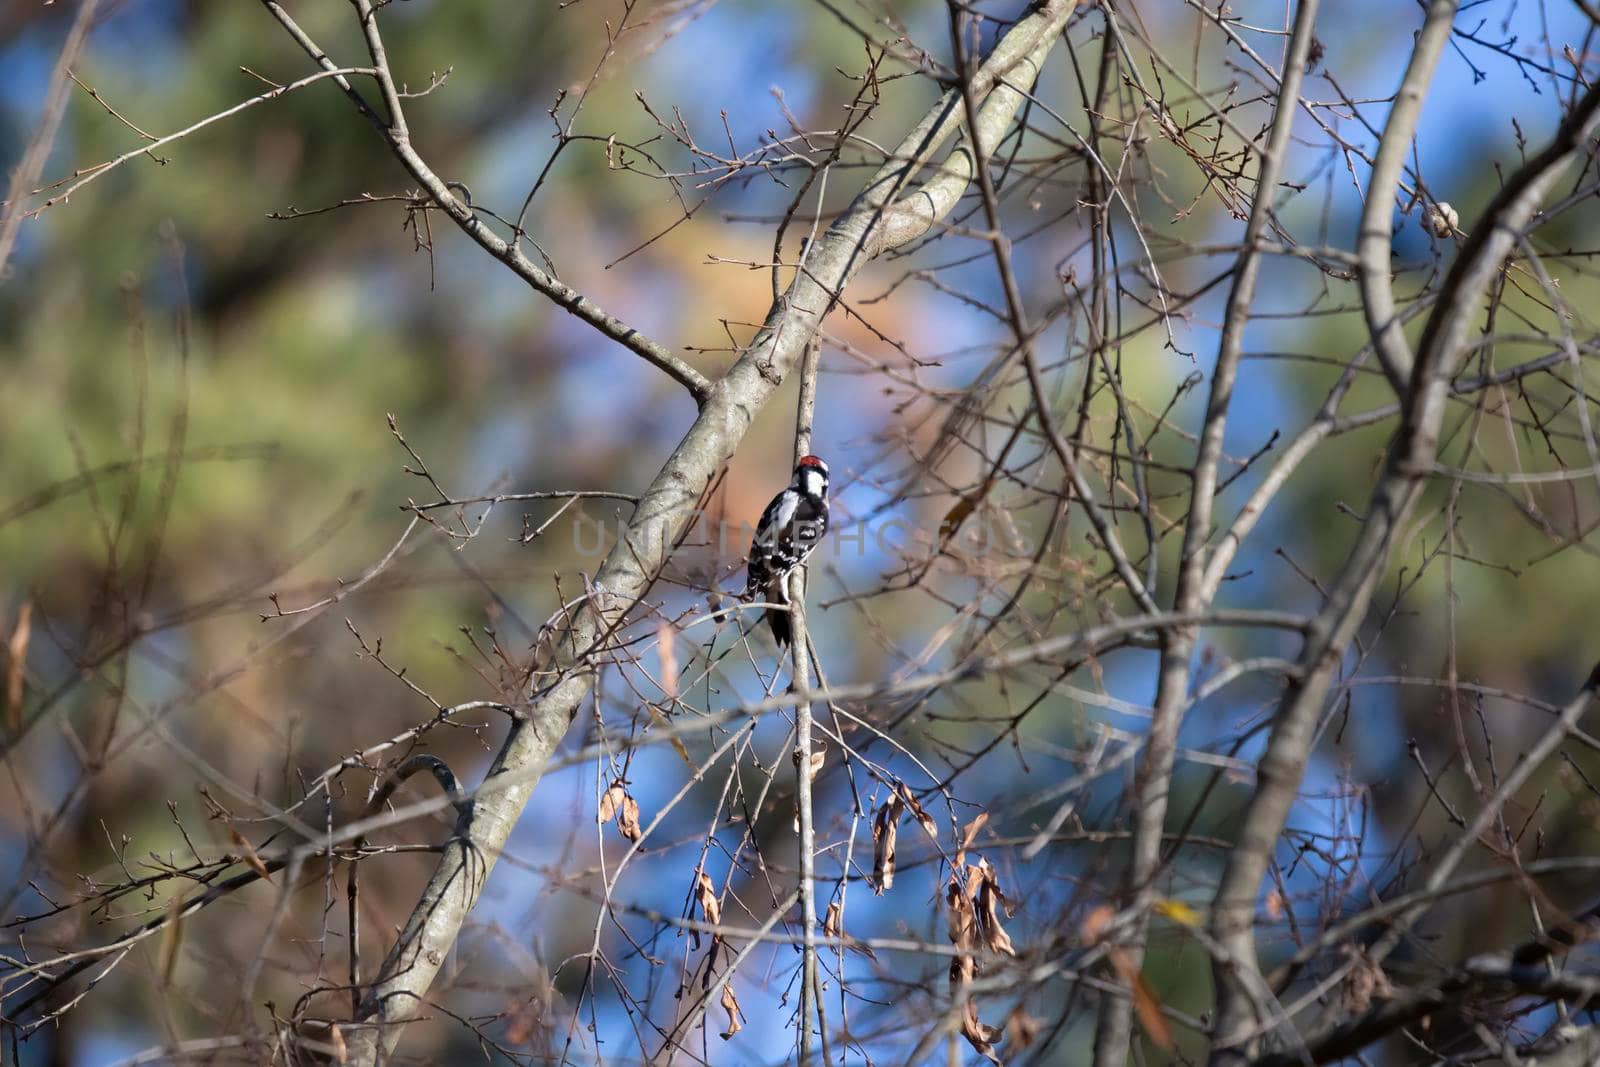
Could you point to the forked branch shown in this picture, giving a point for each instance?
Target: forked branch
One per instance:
(567, 666)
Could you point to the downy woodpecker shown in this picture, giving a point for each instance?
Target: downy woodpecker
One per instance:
(789, 529)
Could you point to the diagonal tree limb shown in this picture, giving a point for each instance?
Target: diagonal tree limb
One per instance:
(1374, 242)
(510, 253)
(567, 667)
(38, 150)
(1410, 461)
(1153, 776)
(100, 170)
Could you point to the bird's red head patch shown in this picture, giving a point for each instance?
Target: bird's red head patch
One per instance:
(814, 462)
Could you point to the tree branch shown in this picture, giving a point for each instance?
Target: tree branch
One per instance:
(1373, 243)
(1491, 973)
(567, 666)
(507, 252)
(800, 648)
(38, 150)
(1410, 460)
(1153, 776)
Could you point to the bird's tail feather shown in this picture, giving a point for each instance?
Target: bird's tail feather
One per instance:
(782, 626)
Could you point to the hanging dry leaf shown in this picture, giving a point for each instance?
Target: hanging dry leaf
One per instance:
(711, 911)
(969, 834)
(963, 967)
(883, 835)
(248, 854)
(16, 660)
(979, 1036)
(1022, 1029)
(710, 906)
(1145, 1004)
(928, 825)
(628, 818)
(833, 926)
(616, 802)
(1364, 982)
(667, 649)
(990, 902)
(960, 897)
(171, 938)
(958, 913)
(610, 801)
(1007, 905)
(730, 1004)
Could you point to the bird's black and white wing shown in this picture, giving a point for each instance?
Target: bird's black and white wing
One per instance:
(790, 528)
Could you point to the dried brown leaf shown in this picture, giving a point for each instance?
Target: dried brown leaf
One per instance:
(979, 1036)
(336, 1039)
(958, 913)
(928, 825)
(830, 922)
(16, 660)
(884, 830)
(1022, 1029)
(730, 1004)
(1145, 1004)
(969, 834)
(628, 818)
(710, 906)
(991, 884)
(610, 801)
(1364, 982)
(833, 926)
(248, 854)
(990, 902)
